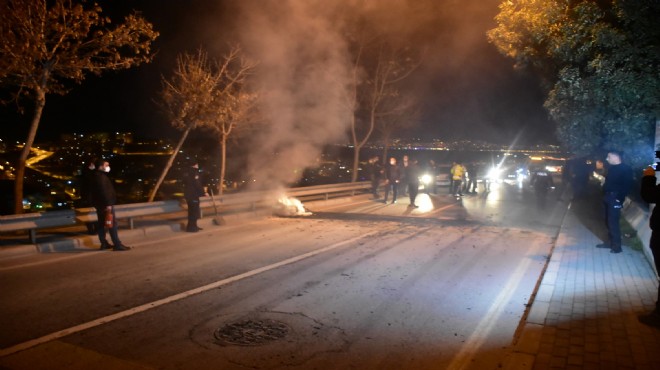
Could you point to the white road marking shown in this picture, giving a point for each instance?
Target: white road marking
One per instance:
(485, 326)
(145, 307)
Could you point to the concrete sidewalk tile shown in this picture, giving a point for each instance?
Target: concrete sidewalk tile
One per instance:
(577, 339)
(561, 348)
(519, 361)
(575, 360)
(591, 346)
(543, 361)
(545, 347)
(544, 293)
(558, 362)
(553, 265)
(530, 339)
(538, 312)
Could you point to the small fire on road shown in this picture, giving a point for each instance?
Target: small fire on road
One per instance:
(290, 207)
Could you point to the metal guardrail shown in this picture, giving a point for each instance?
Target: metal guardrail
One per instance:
(32, 222)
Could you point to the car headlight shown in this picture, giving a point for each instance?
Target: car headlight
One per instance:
(426, 179)
(494, 173)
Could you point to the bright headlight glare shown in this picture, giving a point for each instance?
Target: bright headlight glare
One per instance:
(426, 179)
(494, 173)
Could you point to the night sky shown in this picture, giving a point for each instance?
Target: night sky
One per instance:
(467, 89)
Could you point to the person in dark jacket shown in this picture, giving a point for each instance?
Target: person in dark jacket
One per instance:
(192, 190)
(411, 176)
(651, 194)
(618, 182)
(431, 170)
(375, 172)
(393, 177)
(471, 187)
(104, 199)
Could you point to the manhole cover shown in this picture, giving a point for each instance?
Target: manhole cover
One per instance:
(252, 332)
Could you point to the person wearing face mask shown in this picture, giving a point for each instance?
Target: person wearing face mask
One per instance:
(104, 199)
(393, 176)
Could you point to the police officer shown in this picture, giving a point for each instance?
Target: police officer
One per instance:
(618, 181)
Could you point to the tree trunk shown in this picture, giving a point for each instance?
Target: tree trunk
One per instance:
(223, 160)
(386, 145)
(169, 163)
(356, 161)
(40, 102)
(359, 145)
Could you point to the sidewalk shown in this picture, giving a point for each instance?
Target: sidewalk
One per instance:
(584, 315)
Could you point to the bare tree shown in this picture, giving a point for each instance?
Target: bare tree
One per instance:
(388, 66)
(233, 104)
(186, 99)
(238, 112)
(43, 44)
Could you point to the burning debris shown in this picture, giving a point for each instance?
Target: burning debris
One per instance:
(290, 207)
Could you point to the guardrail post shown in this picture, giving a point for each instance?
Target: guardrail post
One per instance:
(32, 236)
(327, 196)
(131, 225)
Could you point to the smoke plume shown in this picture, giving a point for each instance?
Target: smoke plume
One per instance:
(303, 76)
(305, 70)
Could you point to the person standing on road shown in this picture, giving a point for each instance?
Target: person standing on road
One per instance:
(651, 194)
(431, 171)
(375, 171)
(471, 187)
(393, 177)
(104, 199)
(192, 190)
(457, 175)
(411, 174)
(618, 182)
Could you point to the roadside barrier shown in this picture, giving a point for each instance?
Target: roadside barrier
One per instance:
(32, 222)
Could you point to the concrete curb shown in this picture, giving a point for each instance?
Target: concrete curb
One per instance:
(523, 353)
